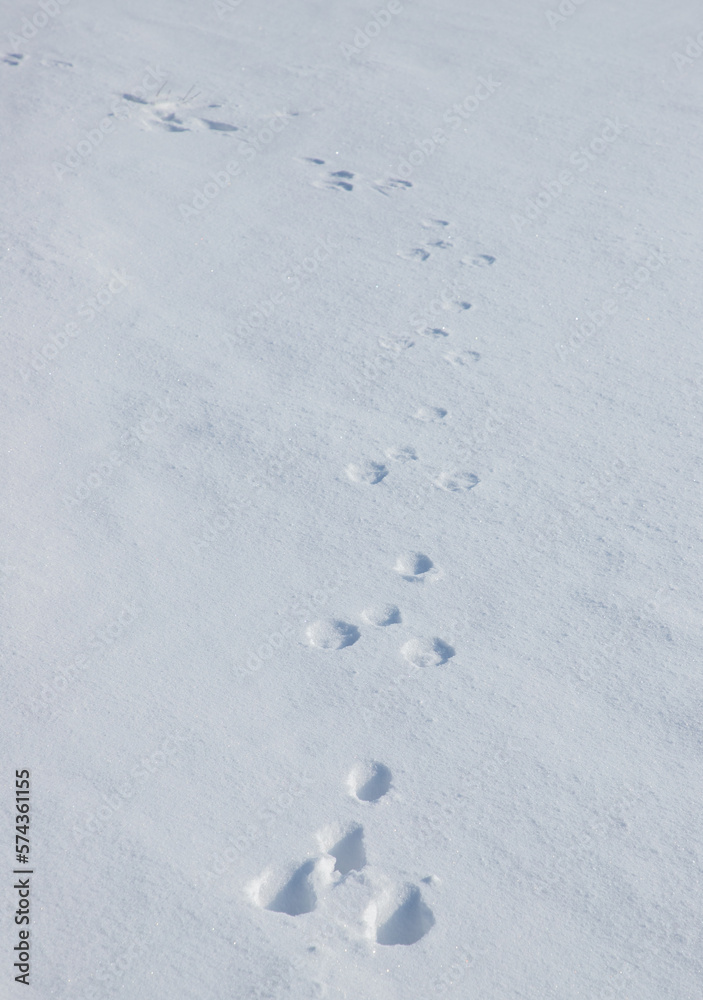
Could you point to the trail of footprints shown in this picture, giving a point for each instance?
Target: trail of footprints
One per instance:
(396, 914)
(167, 112)
(441, 240)
(344, 180)
(371, 472)
(334, 633)
(393, 914)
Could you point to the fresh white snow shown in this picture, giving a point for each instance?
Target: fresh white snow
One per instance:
(351, 547)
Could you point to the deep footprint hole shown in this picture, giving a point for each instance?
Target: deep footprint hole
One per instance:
(377, 784)
(297, 896)
(410, 922)
(349, 853)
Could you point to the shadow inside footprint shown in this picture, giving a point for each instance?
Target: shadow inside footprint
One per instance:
(483, 260)
(297, 895)
(377, 785)
(219, 126)
(331, 633)
(413, 564)
(416, 253)
(410, 922)
(427, 652)
(340, 179)
(349, 852)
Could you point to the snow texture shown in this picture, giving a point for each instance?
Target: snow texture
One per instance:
(351, 550)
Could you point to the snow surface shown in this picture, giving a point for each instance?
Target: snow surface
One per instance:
(351, 573)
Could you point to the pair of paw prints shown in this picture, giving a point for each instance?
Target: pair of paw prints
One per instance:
(335, 633)
(344, 180)
(441, 240)
(394, 346)
(423, 252)
(393, 914)
(169, 112)
(372, 473)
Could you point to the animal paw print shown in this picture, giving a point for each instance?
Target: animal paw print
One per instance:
(430, 414)
(414, 566)
(459, 359)
(167, 111)
(398, 915)
(481, 260)
(456, 482)
(345, 846)
(425, 250)
(369, 782)
(427, 652)
(394, 345)
(415, 253)
(344, 180)
(435, 223)
(392, 914)
(392, 184)
(382, 615)
(339, 180)
(297, 891)
(331, 633)
(366, 472)
(401, 453)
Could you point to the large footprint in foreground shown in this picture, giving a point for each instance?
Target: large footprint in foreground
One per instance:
(369, 782)
(399, 916)
(297, 892)
(346, 846)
